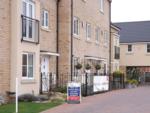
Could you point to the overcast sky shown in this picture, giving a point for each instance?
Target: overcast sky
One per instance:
(130, 10)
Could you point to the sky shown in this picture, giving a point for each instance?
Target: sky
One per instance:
(130, 10)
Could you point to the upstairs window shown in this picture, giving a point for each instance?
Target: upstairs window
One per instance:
(148, 48)
(28, 8)
(28, 21)
(97, 33)
(102, 5)
(45, 19)
(130, 48)
(76, 26)
(88, 31)
(106, 38)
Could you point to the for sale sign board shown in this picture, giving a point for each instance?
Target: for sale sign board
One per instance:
(101, 83)
(74, 93)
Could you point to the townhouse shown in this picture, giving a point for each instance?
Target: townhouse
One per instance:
(28, 32)
(135, 48)
(51, 36)
(115, 48)
(84, 35)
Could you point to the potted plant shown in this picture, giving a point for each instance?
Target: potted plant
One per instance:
(117, 74)
(118, 79)
(97, 67)
(132, 83)
(87, 67)
(78, 66)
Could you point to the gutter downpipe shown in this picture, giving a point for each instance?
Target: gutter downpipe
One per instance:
(71, 40)
(110, 45)
(57, 39)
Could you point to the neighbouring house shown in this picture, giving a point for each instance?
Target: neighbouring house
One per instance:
(84, 35)
(115, 48)
(135, 48)
(28, 47)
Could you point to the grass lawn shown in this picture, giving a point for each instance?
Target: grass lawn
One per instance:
(29, 107)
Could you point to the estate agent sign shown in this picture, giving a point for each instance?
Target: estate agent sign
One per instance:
(101, 83)
(74, 93)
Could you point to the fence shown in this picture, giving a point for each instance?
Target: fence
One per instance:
(90, 83)
(117, 82)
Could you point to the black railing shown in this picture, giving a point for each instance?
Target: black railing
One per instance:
(30, 29)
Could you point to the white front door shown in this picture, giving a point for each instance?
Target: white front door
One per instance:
(45, 73)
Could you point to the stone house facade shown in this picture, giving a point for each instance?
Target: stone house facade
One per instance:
(115, 48)
(28, 43)
(84, 35)
(51, 36)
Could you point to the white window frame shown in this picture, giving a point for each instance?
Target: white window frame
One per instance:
(45, 19)
(106, 38)
(147, 48)
(88, 31)
(97, 35)
(28, 3)
(76, 26)
(27, 54)
(128, 48)
(102, 6)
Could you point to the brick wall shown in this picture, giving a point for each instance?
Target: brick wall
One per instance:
(4, 46)
(88, 11)
(48, 36)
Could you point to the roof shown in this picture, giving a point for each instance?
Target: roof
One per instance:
(115, 27)
(134, 31)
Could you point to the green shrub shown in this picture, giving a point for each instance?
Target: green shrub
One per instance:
(27, 98)
(117, 74)
(62, 89)
(133, 82)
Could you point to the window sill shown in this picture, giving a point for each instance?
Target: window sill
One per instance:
(45, 29)
(97, 43)
(28, 81)
(102, 12)
(84, 1)
(88, 41)
(76, 36)
(106, 45)
(29, 41)
(147, 54)
(129, 53)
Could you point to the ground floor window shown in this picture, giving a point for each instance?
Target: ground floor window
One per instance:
(27, 65)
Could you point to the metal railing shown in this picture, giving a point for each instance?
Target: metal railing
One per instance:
(30, 29)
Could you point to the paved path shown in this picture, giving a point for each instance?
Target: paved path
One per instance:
(121, 101)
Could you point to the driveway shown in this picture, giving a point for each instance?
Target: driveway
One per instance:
(135, 100)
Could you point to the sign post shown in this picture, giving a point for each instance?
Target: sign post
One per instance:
(16, 95)
(74, 93)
